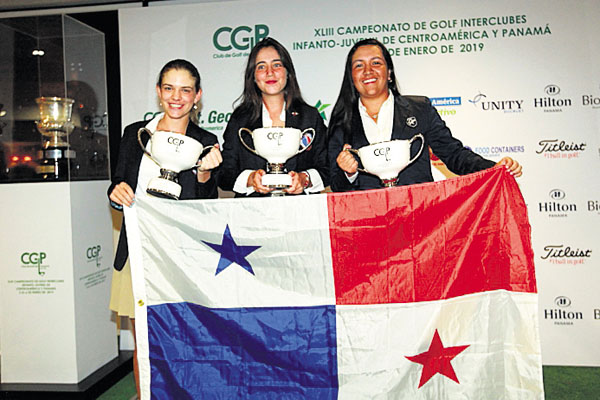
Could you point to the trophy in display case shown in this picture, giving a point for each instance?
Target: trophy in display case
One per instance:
(55, 126)
(277, 145)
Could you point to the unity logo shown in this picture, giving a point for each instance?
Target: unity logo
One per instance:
(507, 106)
(240, 38)
(34, 260)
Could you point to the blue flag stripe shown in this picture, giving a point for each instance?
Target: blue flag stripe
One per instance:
(242, 353)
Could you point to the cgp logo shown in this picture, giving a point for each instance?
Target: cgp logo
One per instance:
(241, 38)
(34, 260)
(93, 254)
(382, 151)
(176, 142)
(275, 136)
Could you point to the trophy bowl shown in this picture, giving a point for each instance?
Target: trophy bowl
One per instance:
(173, 153)
(55, 156)
(277, 145)
(55, 120)
(387, 159)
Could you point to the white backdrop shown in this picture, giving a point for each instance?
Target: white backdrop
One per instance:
(510, 79)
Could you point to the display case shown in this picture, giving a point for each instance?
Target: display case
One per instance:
(48, 59)
(56, 264)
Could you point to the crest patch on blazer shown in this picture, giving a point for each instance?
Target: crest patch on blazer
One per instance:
(411, 122)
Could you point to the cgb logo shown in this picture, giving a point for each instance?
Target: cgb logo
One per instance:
(175, 141)
(34, 260)
(241, 38)
(382, 151)
(93, 254)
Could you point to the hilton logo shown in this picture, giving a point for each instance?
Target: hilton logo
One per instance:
(554, 208)
(562, 301)
(557, 194)
(560, 316)
(551, 103)
(552, 90)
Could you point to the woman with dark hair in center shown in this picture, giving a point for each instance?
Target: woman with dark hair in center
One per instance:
(370, 109)
(272, 98)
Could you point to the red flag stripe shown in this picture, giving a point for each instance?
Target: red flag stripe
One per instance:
(431, 241)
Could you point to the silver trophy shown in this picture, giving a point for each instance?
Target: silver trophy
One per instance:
(277, 145)
(55, 126)
(173, 153)
(387, 159)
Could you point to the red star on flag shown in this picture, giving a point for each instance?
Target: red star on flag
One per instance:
(437, 360)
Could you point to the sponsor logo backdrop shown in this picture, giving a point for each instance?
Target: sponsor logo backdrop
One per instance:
(510, 79)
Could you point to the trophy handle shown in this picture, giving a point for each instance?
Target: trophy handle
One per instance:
(304, 132)
(417, 136)
(353, 151)
(242, 140)
(139, 137)
(199, 163)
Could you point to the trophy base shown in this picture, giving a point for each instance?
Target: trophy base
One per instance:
(55, 163)
(164, 188)
(389, 182)
(277, 181)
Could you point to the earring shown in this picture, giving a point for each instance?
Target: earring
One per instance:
(160, 104)
(390, 80)
(195, 106)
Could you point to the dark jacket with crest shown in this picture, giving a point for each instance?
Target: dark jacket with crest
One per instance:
(237, 158)
(128, 165)
(412, 115)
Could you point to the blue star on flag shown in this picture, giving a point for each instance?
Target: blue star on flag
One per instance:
(231, 252)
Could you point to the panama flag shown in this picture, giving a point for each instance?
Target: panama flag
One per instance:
(419, 292)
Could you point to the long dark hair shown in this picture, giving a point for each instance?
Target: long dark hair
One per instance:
(180, 64)
(347, 101)
(250, 101)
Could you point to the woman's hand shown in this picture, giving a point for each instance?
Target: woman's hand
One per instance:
(123, 195)
(299, 181)
(209, 162)
(255, 182)
(512, 166)
(346, 161)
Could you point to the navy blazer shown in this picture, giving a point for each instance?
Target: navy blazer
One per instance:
(128, 165)
(412, 115)
(237, 158)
